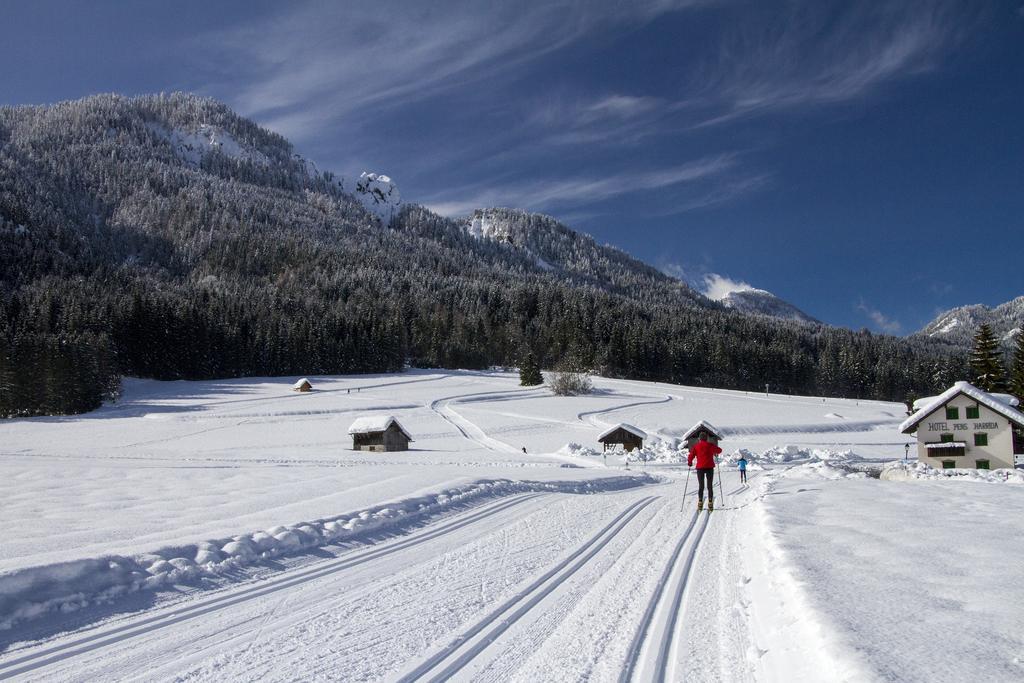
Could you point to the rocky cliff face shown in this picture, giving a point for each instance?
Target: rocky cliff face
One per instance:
(379, 194)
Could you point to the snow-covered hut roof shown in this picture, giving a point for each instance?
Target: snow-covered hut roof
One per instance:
(302, 382)
(991, 401)
(705, 426)
(628, 427)
(376, 423)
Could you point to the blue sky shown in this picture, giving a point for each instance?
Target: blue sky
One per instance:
(863, 160)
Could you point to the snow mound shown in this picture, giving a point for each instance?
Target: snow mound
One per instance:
(904, 471)
(824, 469)
(793, 454)
(656, 451)
(578, 450)
(68, 586)
(379, 195)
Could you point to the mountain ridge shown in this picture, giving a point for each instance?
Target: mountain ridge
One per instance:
(168, 237)
(958, 325)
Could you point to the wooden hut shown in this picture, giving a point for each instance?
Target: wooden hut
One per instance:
(302, 385)
(691, 437)
(627, 436)
(379, 433)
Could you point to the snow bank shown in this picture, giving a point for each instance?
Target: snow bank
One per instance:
(793, 454)
(659, 451)
(903, 471)
(68, 586)
(578, 450)
(655, 451)
(824, 469)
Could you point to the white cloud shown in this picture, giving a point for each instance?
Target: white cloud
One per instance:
(537, 195)
(717, 287)
(339, 70)
(622, 106)
(676, 270)
(881, 321)
(810, 55)
(315, 63)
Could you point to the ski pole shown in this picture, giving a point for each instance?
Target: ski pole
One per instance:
(682, 506)
(721, 490)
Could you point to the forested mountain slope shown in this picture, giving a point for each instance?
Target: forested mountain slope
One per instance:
(959, 325)
(165, 236)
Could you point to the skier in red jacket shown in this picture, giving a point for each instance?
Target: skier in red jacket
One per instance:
(704, 453)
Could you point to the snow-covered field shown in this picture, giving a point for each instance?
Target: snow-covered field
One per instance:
(225, 530)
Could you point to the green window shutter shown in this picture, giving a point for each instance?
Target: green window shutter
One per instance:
(973, 413)
(981, 464)
(952, 413)
(946, 438)
(981, 439)
(948, 465)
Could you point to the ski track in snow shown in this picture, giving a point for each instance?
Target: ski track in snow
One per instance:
(590, 416)
(496, 646)
(198, 608)
(467, 428)
(523, 602)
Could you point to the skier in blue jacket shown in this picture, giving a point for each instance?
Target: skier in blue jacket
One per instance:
(742, 464)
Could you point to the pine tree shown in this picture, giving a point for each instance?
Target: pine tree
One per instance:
(529, 372)
(1017, 369)
(987, 370)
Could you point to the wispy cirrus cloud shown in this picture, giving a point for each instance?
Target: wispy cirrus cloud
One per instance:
(544, 194)
(314, 63)
(372, 76)
(813, 54)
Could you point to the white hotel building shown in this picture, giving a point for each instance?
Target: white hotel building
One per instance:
(967, 427)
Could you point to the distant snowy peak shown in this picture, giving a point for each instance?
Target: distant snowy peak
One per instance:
(761, 302)
(193, 144)
(744, 298)
(379, 194)
(959, 325)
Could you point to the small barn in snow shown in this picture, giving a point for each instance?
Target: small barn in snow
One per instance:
(965, 427)
(379, 433)
(691, 437)
(627, 436)
(302, 385)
